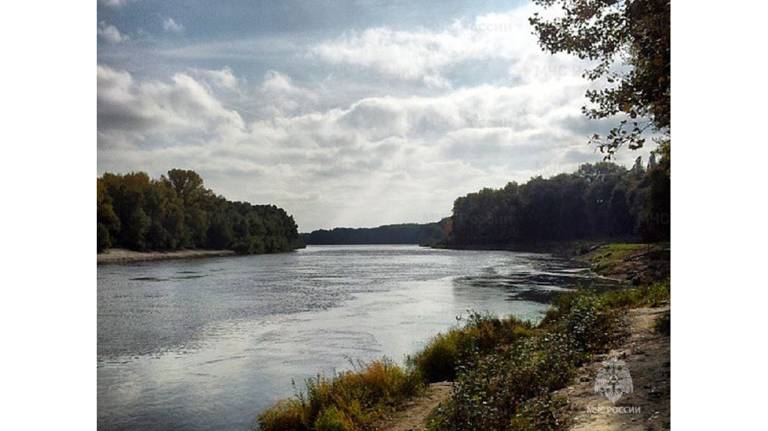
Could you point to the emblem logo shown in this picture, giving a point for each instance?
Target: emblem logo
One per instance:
(613, 380)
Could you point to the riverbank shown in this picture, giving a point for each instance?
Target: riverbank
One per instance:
(504, 373)
(121, 255)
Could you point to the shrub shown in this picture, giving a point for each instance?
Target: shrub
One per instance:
(331, 419)
(345, 401)
(482, 333)
(285, 415)
(509, 388)
(539, 414)
(655, 295)
(488, 394)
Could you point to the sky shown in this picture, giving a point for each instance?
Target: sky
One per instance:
(345, 113)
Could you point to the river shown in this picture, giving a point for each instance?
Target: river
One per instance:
(206, 344)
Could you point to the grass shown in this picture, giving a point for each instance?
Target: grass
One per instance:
(655, 295)
(607, 258)
(351, 400)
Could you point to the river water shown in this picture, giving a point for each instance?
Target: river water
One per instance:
(206, 344)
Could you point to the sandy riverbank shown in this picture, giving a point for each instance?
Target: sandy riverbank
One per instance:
(120, 255)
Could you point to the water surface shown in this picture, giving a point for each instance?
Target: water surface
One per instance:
(206, 344)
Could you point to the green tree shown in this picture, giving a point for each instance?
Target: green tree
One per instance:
(102, 238)
(177, 211)
(136, 228)
(105, 214)
(630, 40)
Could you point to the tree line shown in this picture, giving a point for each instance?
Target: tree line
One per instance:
(176, 211)
(598, 201)
(407, 233)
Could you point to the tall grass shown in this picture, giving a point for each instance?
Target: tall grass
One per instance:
(346, 401)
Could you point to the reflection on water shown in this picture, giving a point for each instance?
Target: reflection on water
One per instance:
(206, 344)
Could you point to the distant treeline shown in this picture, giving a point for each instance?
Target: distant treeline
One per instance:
(598, 201)
(409, 233)
(177, 211)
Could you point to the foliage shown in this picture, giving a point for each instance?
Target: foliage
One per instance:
(283, 416)
(349, 400)
(655, 295)
(409, 233)
(332, 419)
(540, 414)
(177, 211)
(440, 358)
(630, 41)
(601, 200)
(102, 238)
(510, 388)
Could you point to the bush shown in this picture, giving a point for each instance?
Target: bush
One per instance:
(655, 295)
(285, 415)
(539, 414)
(331, 419)
(348, 400)
(438, 361)
(509, 388)
(489, 394)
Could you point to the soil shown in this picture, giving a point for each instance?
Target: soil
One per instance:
(413, 415)
(647, 355)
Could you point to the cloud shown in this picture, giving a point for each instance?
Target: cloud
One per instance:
(110, 33)
(160, 113)
(425, 55)
(170, 25)
(222, 78)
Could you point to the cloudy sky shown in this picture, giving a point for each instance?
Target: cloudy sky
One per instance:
(345, 113)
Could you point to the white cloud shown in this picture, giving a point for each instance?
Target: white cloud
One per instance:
(425, 55)
(222, 78)
(110, 33)
(167, 113)
(169, 24)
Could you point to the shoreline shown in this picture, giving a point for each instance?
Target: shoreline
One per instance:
(431, 392)
(121, 255)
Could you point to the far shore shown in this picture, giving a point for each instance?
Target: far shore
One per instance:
(121, 255)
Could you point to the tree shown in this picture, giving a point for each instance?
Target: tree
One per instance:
(105, 214)
(102, 238)
(177, 211)
(630, 40)
(598, 201)
(188, 185)
(136, 228)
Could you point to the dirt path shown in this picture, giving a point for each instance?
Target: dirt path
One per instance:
(646, 354)
(414, 415)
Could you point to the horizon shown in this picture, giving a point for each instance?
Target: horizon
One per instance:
(284, 103)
